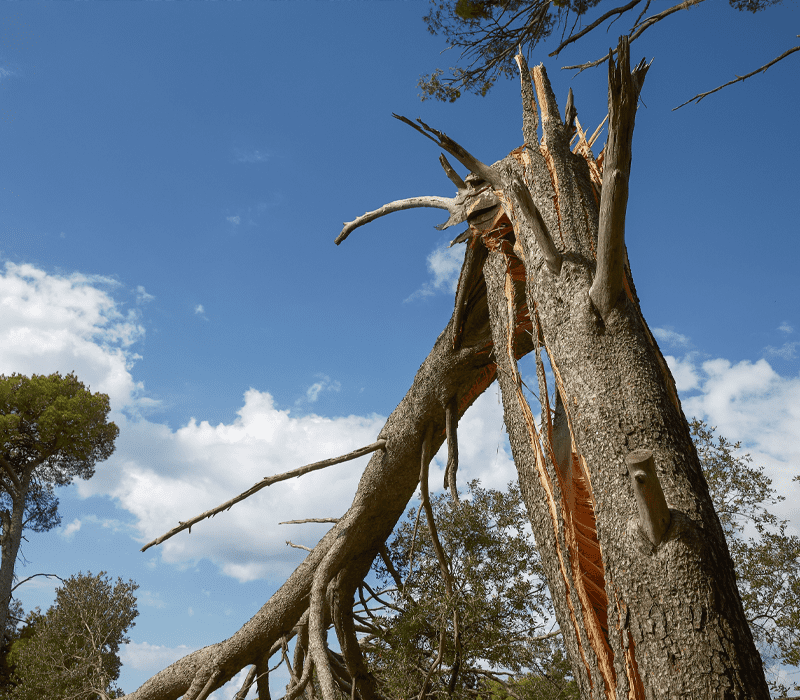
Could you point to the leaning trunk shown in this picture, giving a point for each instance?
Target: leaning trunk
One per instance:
(644, 590)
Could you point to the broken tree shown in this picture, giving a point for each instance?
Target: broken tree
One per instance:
(640, 575)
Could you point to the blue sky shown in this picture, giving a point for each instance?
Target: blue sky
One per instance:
(173, 176)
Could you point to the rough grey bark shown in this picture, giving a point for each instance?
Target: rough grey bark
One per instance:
(12, 525)
(639, 620)
(645, 613)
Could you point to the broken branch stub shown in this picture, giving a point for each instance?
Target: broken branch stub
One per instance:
(623, 94)
(654, 517)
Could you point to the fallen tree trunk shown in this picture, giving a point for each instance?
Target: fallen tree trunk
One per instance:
(387, 485)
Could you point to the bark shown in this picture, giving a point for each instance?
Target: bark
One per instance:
(639, 620)
(12, 524)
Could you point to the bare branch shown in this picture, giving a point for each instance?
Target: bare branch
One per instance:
(453, 176)
(637, 31)
(574, 37)
(448, 203)
(483, 171)
(309, 520)
(267, 481)
(297, 546)
(696, 99)
(25, 580)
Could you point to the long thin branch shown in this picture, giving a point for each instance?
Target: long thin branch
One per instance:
(267, 481)
(25, 580)
(574, 37)
(636, 33)
(448, 203)
(309, 520)
(696, 99)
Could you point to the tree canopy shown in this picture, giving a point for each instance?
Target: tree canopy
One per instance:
(52, 429)
(71, 652)
(488, 33)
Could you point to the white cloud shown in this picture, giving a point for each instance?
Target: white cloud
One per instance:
(5, 73)
(68, 531)
(64, 323)
(236, 220)
(444, 264)
(750, 402)
(190, 611)
(151, 658)
(324, 384)
(670, 337)
(684, 372)
(199, 309)
(785, 327)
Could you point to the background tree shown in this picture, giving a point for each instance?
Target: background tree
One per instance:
(767, 559)
(499, 593)
(72, 651)
(52, 429)
(488, 33)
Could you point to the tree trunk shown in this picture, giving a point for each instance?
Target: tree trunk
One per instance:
(646, 596)
(640, 575)
(12, 524)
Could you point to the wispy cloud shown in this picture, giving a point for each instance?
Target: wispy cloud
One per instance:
(5, 73)
(235, 220)
(150, 599)
(669, 337)
(324, 384)
(151, 657)
(785, 327)
(142, 297)
(787, 351)
(199, 310)
(444, 265)
(250, 156)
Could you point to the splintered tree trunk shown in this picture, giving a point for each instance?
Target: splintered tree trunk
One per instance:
(644, 589)
(639, 571)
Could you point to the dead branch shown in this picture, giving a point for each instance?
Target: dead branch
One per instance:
(623, 94)
(470, 162)
(574, 37)
(454, 177)
(298, 546)
(267, 481)
(637, 31)
(448, 203)
(696, 99)
(309, 520)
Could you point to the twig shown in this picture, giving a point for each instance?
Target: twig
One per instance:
(34, 576)
(696, 99)
(266, 481)
(298, 546)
